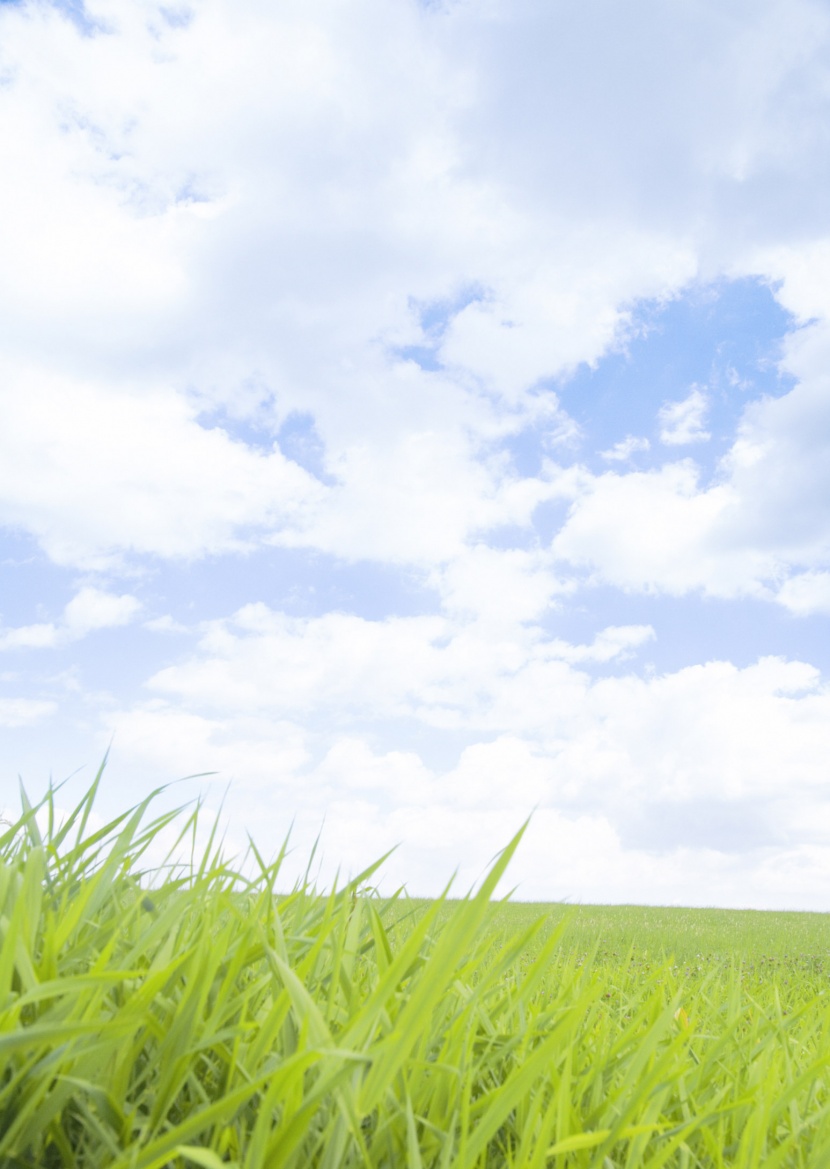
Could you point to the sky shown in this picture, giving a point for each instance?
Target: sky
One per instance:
(416, 415)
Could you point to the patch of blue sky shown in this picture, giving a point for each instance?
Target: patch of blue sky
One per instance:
(300, 582)
(434, 318)
(36, 592)
(690, 630)
(76, 11)
(186, 594)
(114, 662)
(440, 747)
(515, 536)
(33, 588)
(253, 431)
(177, 16)
(300, 441)
(722, 339)
(531, 447)
(117, 661)
(297, 437)
(193, 191)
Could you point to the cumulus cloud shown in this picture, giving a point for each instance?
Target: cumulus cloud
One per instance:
(806, 593)
(93, 608)
(284, 198)
(500, 586)
(89, 610)
(656, 531)
(688, 754)
(448, 675)
(711, 728)
(683, 422)
(95, 473)
(759, 527)
(195, 173)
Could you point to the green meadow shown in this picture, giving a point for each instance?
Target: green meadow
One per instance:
(205, 1014)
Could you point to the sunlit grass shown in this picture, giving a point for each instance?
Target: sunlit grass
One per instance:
(194, 1016)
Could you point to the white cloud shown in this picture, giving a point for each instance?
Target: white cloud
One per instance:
(656, 531)
(21, 712)
(708, 732)
(647, 775)
(622, 451)
(93, 608)
(44, 635)
(762, 518)
(175, 742)
(616, 642)
(89, 610)
(683, 422)
(265, 661)
(333, 670)
(281, 194)
(350, 765)
(94, 473)
(499, 586)
(230, 167)
(806, 593)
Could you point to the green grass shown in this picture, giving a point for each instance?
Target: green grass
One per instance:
(194, 1016)
(685, 934)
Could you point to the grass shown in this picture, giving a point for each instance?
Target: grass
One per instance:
(685, 934)
(193, 1016)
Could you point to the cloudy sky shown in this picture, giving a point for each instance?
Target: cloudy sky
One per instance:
(417, 413)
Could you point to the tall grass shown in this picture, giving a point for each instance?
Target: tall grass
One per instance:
(193, 1015)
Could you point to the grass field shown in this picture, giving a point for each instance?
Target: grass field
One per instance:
(192, 1017)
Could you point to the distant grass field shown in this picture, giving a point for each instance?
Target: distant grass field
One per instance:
(688, 935)
(192, 1016)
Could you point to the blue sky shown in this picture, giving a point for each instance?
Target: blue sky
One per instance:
(416, 416)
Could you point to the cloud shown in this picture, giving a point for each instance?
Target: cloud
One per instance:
(499, 586)
(693, 114)
(89, 610)
(93, 608)
(682, 423)
(286, 201)
(806, 593)
(23, 712)
(622, 451)
(649, 774)
(711, 730)
(759, 521)
(616, 642)
(233, 186)
(350, 765)
(656, 531)
(95, 473)
(44, 635)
